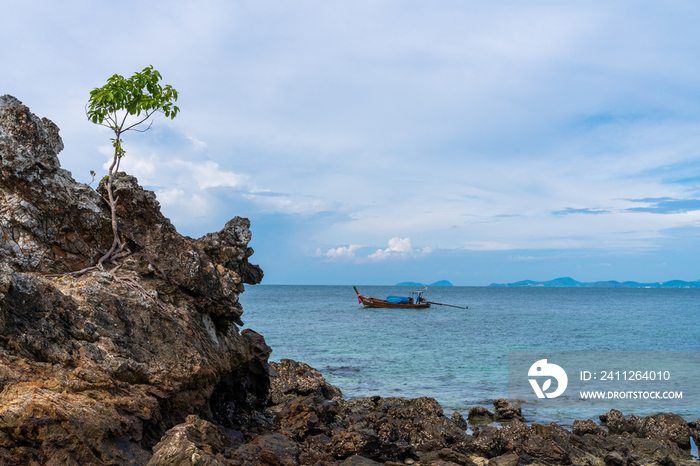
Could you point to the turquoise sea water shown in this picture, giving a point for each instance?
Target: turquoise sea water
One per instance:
(460, 357)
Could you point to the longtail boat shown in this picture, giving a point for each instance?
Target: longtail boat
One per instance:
(414, 301)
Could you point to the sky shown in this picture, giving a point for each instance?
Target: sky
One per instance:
(374, 142)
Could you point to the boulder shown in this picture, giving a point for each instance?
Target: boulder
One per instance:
(290, 379)
(507, 410)
(192, 443)
(665, 426)
(545, 443)
(616, 423)
(479, 415)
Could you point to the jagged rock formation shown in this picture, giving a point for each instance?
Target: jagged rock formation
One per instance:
(311, 429)
(96, 372)
(93, 372)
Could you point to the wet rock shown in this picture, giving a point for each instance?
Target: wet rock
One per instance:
(458, 420)
(479, 415)
(695, 431)
(489, 442)
(507, 410)
(587, 427)
(655, 452)
(666, 426)
(616, 423)
(419, 422)
(628, 448)
(546, 443)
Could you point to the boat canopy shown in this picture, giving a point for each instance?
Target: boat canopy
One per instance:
(398, 300)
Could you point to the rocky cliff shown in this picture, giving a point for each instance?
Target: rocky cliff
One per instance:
(151, 368)
(93, 371)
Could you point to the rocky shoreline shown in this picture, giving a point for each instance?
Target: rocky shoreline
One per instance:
(94, 372)
(308, 422)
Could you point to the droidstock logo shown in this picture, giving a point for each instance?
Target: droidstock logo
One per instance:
(543, 369)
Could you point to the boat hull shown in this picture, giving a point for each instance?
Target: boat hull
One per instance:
(381, 303)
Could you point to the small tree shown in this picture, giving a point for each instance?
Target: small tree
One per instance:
(124, 105)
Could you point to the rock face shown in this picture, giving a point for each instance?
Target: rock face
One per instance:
(48, 222)
(98, 371)
(93, 372)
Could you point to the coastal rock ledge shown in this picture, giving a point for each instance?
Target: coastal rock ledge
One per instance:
(152, 369)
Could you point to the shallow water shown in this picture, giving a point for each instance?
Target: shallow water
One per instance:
(460, 357)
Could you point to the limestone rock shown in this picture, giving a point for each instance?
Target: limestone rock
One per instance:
(93, 371)
(48, 222)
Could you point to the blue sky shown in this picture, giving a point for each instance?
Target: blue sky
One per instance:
(373, 142)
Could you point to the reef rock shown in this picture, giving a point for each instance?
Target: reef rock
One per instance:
(93, 371)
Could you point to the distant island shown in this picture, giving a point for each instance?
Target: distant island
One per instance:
(571, 283)
(440, 283)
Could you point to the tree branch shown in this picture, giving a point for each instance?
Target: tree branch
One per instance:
(148, 115)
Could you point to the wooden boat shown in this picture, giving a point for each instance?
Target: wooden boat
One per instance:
(414, 301)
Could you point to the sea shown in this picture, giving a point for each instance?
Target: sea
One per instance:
(461, 357)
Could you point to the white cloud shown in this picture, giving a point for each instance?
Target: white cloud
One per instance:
(193, 206)
(208, 174)
(342, 253)
(198, 145)
(398, 248)
(487, 246)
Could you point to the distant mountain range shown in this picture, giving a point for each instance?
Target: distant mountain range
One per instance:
(440, 283)
(570, 282)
